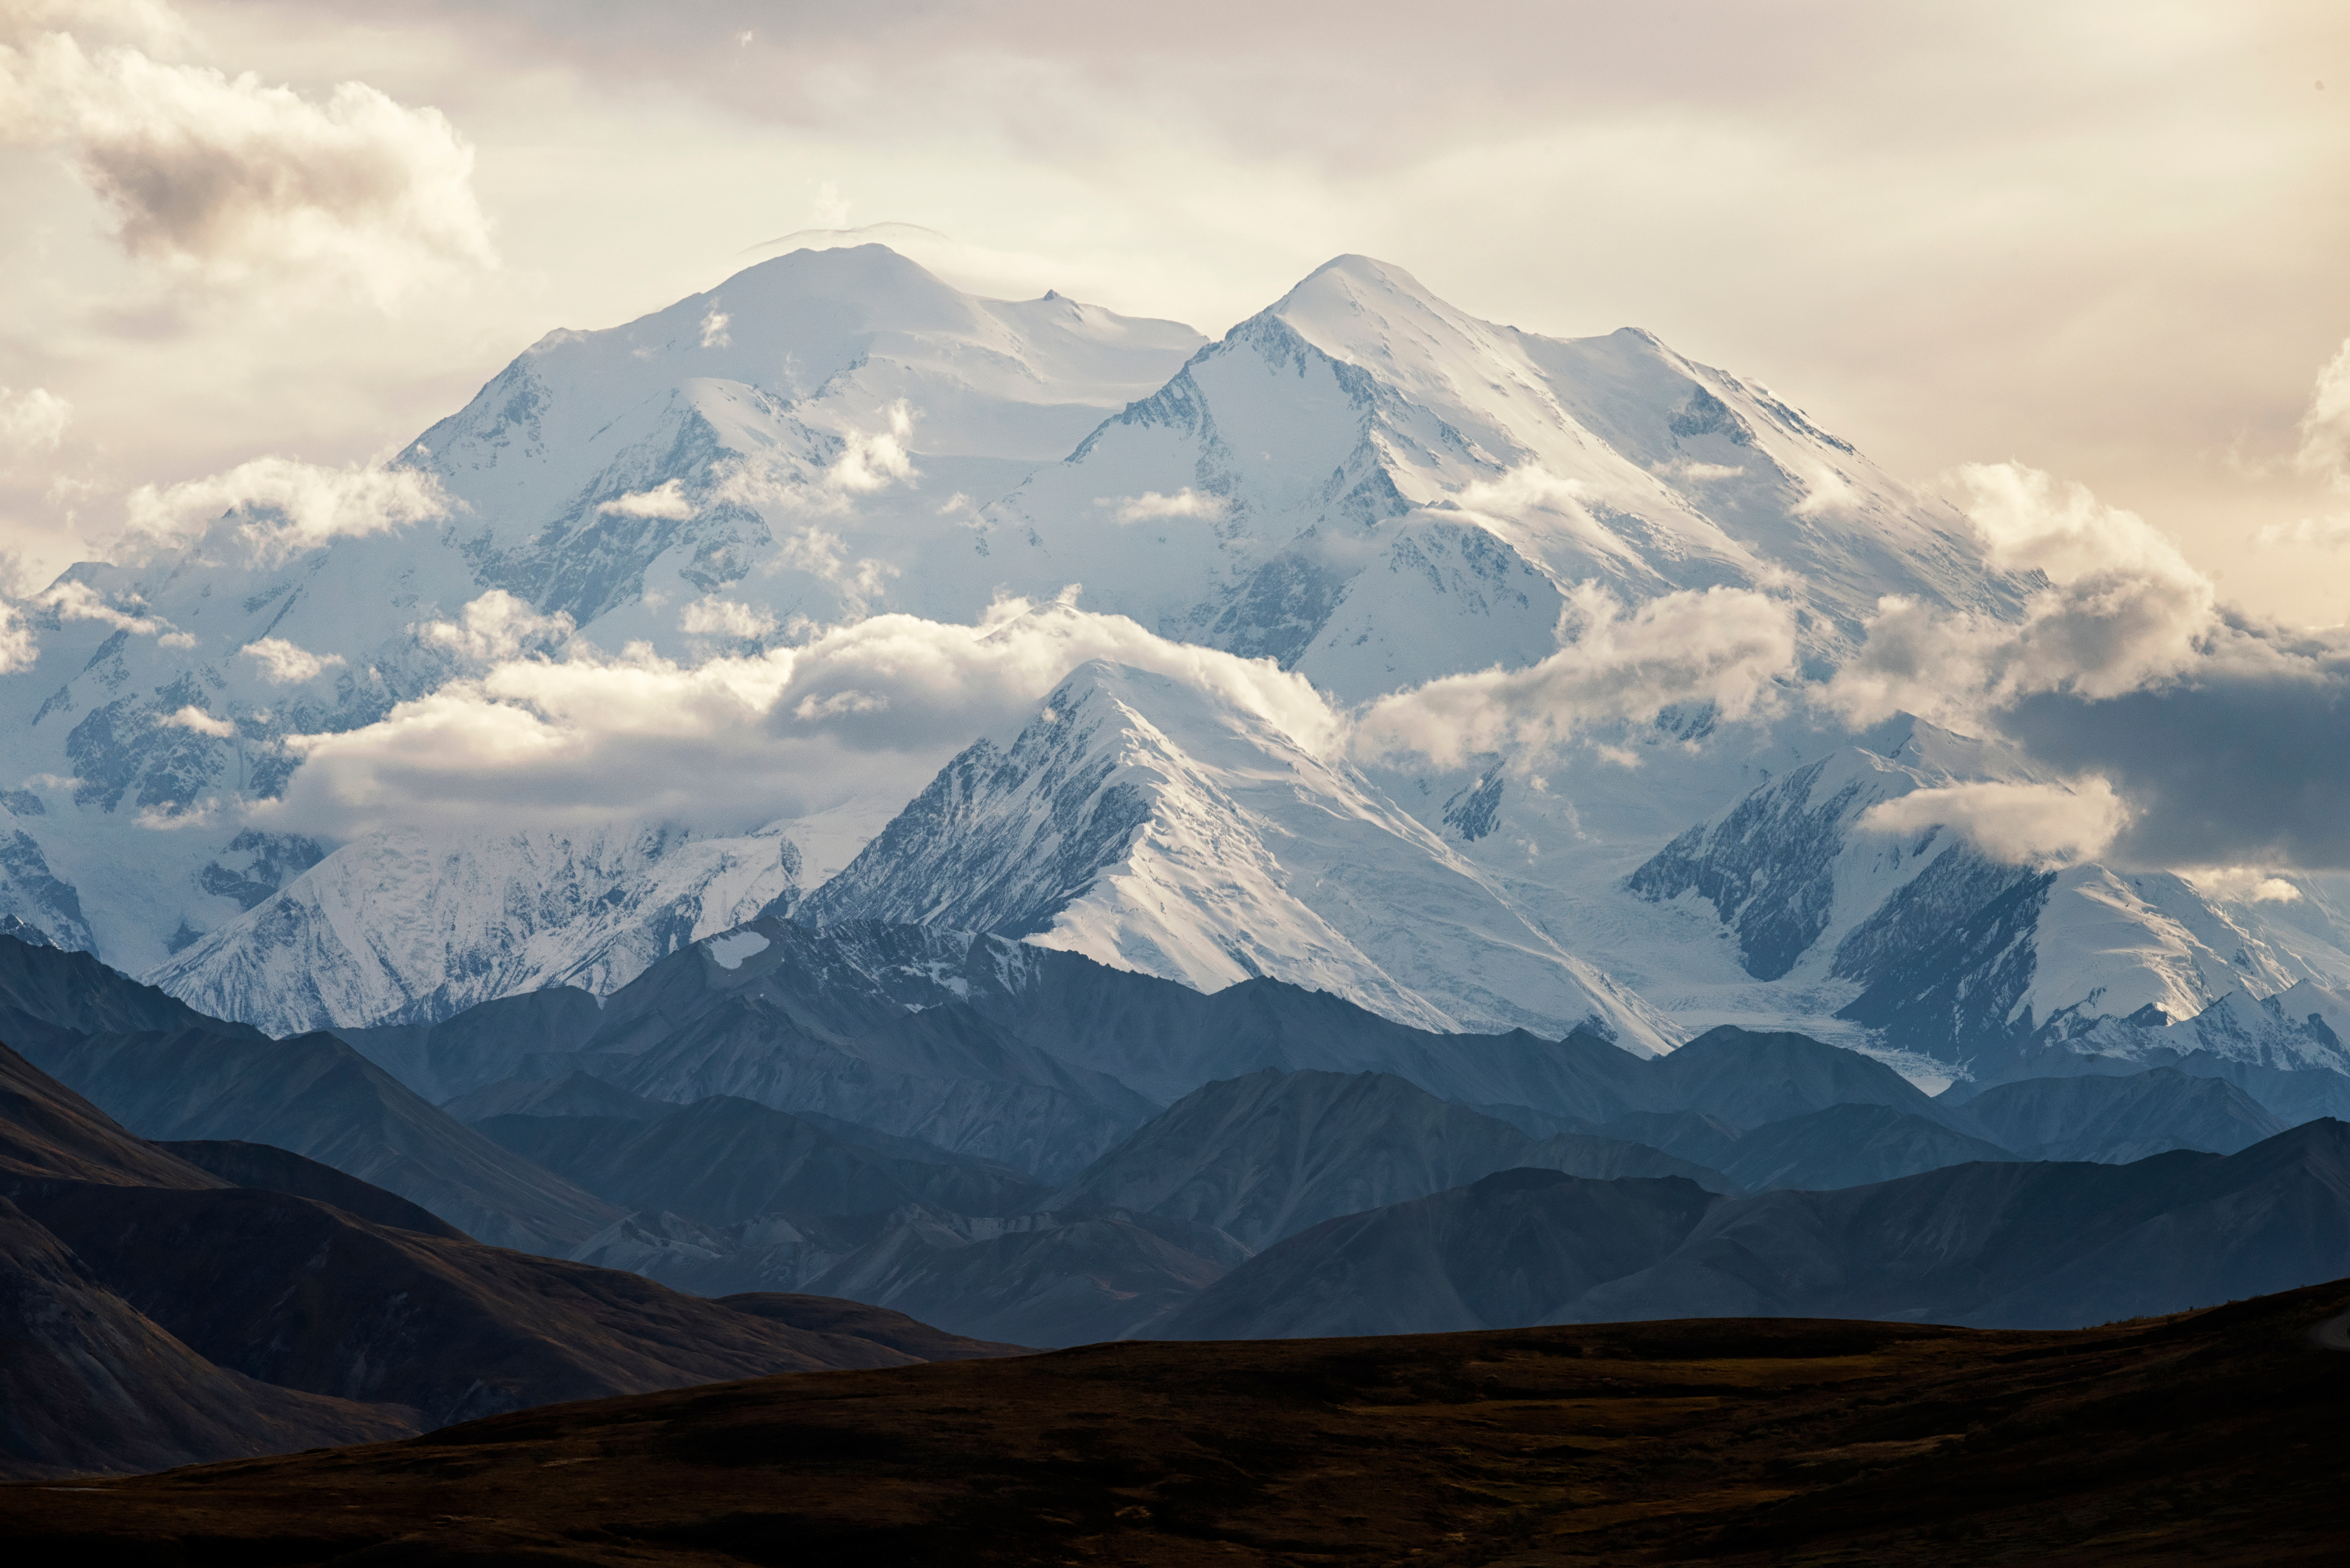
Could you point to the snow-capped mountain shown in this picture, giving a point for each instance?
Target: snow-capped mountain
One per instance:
(405, 928)
(1152, 825)
(629, 480)
(1376, 488)
(1362, 483)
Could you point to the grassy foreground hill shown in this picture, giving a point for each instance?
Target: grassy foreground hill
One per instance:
(2208, 1437)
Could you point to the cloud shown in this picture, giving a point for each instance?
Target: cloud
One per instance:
(1727, 646)
(868, 461)
(234, 182)
(2124, 610)
(283, 507)
(498, 626)
(871, 710)
(822, 556)
(2021, 823)
(194, 718)
(284, 663)
(31, 422)
(2242, 885)
(2326, 428)
(2225, 741)
(1826, 490)
(2325, 532)
(1149, 504)
(713, 330)
(665, 500)
(874, 460)
(72, 600)
(2240, 766)
(715, 617)
(19, 650)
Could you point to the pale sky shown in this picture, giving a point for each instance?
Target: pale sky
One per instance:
(2110, 241)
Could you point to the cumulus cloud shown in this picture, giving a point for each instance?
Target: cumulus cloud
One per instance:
(2021, 823)
(285, 664)
(667, 499)
(2226, 743)
(280, 507)
(2125, 610)
(2326, 428)
(194, 718)
(498, 626)
(868, 710)
(1727, 646)
(713, 330)
(2240, 766)
(232, 180)
(1150, 504)
(31, 422)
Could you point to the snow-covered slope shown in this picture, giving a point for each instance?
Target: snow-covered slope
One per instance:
(1377, 488)
(1161, 826)
(403, 928)
(620, 478)
(1361, 483)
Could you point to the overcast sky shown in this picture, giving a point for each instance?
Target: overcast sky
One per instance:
(2111, 241)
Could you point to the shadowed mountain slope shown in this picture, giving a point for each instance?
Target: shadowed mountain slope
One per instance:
(188, 1319)
(207, 1080)
(1995, 1243)
(724, 1160)
(1849, 1146)
(1269, 1155)
(2118, 1119)
(1499, 1252)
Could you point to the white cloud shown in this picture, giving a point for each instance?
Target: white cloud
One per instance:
(1690, 468)
(498, 626)
(19, 650)
(713, 330)
(283, 507)
(194, 718)
(664, 499)
(1826, 490)
(284, 663)
(874, 460)
(715, 617)
(2124, 610)
(1150, 504)
(2242, 884)
(2326, 428)
(868, 461)
(870, 709)
(2021, 823)
(1727, 647)
(75, 600)
(822, 556)
(230, 179)
(31, 422)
